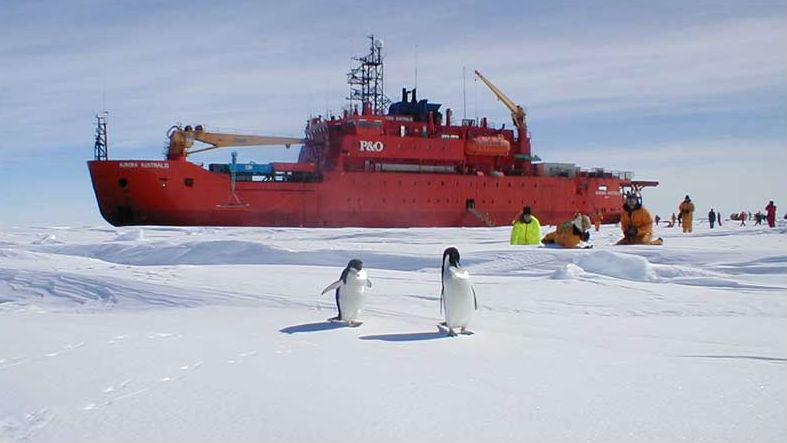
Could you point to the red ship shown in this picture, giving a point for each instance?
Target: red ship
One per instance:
(409, 167)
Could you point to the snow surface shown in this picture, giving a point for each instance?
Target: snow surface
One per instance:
(218, 334)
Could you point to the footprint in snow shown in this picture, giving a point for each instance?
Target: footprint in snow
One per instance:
(11, 362)
(117, 339)
(155, 335)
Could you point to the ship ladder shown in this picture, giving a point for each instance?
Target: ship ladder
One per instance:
(483, 216)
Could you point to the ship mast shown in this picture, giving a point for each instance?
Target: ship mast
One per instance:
(366, 79)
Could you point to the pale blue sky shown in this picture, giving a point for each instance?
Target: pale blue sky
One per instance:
(693, 94)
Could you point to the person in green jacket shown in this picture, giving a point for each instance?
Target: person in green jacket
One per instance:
(526, 230)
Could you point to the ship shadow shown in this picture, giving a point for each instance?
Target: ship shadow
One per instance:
(405, 337)
(312, 327)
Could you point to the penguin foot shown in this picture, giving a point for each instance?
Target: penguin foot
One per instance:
(452, 333)
(465, 331)
(354, 324)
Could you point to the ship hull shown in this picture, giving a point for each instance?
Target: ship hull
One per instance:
(180, 193)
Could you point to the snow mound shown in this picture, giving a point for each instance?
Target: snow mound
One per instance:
(569, 271)
(236, 252)
(617, 265)
(135, 235)
(48, 239)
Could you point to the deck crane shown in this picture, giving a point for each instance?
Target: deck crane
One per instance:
(524, 156)
(517, 112)
(181, 140)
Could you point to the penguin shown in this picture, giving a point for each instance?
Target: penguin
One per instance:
(457, 296)
(350, 292)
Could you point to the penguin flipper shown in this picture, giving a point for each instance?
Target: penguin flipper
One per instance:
(368, 283)
(475, 298)
(442, 300)
(333, 285)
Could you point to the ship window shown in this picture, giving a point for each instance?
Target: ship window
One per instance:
(470, 203)
(122, 182)
(188, 182)
(365, 124)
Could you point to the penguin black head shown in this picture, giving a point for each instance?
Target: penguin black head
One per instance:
(352, 264)
(355, 264)
(453, 256)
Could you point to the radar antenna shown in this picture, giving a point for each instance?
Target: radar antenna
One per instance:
(366, 79)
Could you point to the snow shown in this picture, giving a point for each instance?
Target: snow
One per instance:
(219, 334)
(617, 265)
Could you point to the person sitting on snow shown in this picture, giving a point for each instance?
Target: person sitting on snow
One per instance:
(636, 223)
(571, 233)
(526, 229)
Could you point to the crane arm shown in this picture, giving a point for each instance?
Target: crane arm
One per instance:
(517, 112)
(182, 140)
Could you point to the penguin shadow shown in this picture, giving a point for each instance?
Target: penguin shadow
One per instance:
(312, 327)
(405, 337)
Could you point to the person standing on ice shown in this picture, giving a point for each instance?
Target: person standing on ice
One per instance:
(742, 217)
(718, 218)
(657, 219)
(571, 233)
(686, 209)
(636, 223)
(771, 214)
(457, 296)
(526, 229)
(350, 292)
(598, 217)
(711, 218)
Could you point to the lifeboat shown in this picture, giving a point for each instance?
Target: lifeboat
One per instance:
(488, 145)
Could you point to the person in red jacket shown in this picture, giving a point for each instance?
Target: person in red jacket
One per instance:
(771, 216)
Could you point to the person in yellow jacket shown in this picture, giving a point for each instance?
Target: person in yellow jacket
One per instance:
(571, 233)
(636, 223)
(526, 229)
(686, 209)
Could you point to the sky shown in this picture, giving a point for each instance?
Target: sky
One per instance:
(692, 94)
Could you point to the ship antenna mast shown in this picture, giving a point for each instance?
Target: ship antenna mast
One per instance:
(366, 79)
(101, 146)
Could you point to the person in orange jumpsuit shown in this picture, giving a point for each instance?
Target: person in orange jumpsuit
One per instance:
(598, 217)
(686, 209)
(636, 223)
(571, 233)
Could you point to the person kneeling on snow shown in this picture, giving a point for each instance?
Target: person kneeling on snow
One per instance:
(636, 223)
(526, 229)
(571, 233)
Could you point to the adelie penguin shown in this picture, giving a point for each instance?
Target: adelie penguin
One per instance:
(457, 297)
(350, 292)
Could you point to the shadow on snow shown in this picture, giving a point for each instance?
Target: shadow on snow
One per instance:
(312, 327)
(410, 336)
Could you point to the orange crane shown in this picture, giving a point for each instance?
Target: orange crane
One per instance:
(517, 112)
(181, 140)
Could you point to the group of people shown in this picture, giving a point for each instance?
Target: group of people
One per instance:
(636, 223)
(759, 216)
(526, 230)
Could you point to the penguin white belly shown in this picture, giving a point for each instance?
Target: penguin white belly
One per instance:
(352, 298)
(458, 298)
